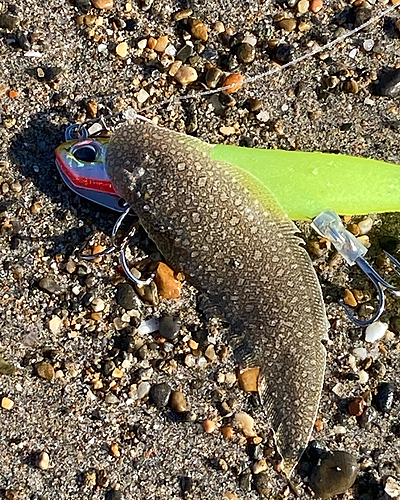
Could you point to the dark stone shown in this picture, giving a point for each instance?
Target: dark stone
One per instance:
(160, 394)
(87, 299)
(366, 419)
(108, 368)
(245, 481)
(15, 242)
(213, 77)
(186, 484)
(246, 53)
(389, 85)
(335, 474)
(184, 53)
(113, 495)
(130, 25)
(209, 54)
(9, 22)
(383, 400)
(23, 41)
(255, 451)
(126, 296)
(283, 53)
(169, 327)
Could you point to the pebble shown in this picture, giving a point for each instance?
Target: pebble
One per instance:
(246, 53)
(335, 475)
(178, 402)
(160, 394)
(44, 461)
(234, 81)
(7, 403)
(122, 50)
(97, 305)
(383, 399)
(375, 331)
(245, 422)
(50, 286)
(9, 22)
(209, 426)
(185, 52)
(55, 324)
(303, 6)
(360, 352)
(368, 416)
(260, 466)
(316, 5)
(288, 24)
(363, 377)
(45, 371)
(229, 495)
(103, 4)
(227, 131)
(356, 407)
(113, 494)
(168, 286)
(143, 389)
(126, 296)
(368, 45)
(210, 353)
(183, 14)
(227, 432)
(248, 380)
(351, 86)
(389, 85)
(169, 327)
(185, 75)
(392, 487)
(161, 44)
(199, 30)
(114, 450)
(365, 225)
(349, 298)
(6, 368)
(111, 399)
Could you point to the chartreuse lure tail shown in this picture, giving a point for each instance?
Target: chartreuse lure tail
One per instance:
(306, 184)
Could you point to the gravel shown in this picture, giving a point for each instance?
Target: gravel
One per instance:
(76, 375)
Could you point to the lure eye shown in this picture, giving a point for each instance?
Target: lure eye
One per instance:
(86, 151)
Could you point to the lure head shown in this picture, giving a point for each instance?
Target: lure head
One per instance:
(81, 164)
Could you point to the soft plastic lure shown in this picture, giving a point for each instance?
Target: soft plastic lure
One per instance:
(304, 183)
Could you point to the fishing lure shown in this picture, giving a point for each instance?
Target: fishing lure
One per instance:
(304, 183)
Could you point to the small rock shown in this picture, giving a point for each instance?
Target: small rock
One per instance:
(50, 286)
(367, 418)
(173, 69)
(288, 25)
(92, 108)
(178, 402)
(303, 6)
(161, 44)
(103, 4)
(210, 353)
(384, 397)
(363, 377)
(227, 131)
(7, 403)
(126, 296)
(360, 352)
(245, 422)
(143, 389)
(111, 399)
(45, 371)
(389, 85)
(185, 75)
(365, 225)
(351, 86)
(184, 53)
(114, 450)
(234, 81)
(9, 22)
(260, 466)
(97, 305)
(160, 394)
(227, 432)
(246, 53)
(219, 27)
(335, 474)
(375, 331)
(55, 324)
(199, 29)
(349, 298)
(392, 487)
(183, 14)
(356, 407)
(6, 368)
(316, 5)
(229, 495)
(117, 373)
(209, 426)
(168, 286)
(248, 380)
(255, 104)
(169, 327)
(122, 50)
(44, 461)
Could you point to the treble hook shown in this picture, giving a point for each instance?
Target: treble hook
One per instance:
(329, 225)
(122, 248)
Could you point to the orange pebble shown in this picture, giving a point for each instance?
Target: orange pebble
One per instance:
(209, 426)
(316, 5)
(13, 94)
(168, 286)
(97, 249)
(227, 432)
(234, 81)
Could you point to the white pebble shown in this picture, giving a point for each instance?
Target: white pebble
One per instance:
(245, 422)
(368, 45)
(143, 390)
(360, 353)
(142, 96)
(339, 429)
(353, 53)
(392, 487)
(170, 51)
(375, 331)
(55, 324)
(263, 116)
(142, 44)
(97, 305)
(339, 389)
(102, 47)
(365, 225)
(44, 461)
(148, 326)
(363, 377)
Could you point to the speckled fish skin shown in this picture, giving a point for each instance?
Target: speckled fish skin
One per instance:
(233, 242)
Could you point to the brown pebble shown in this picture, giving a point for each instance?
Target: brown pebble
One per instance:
(103, 4)
(7, 403)
(260, 466)
(354, 229)
(227, 432)
(178, 402)
(185, 75)
(219, 27)
(36, 207)
(168, 286)
(45, 371)
(288, 24)
(234, 81)
(316, 5)
(117, 373)
(318, 424)
(13, 94)
(209, 426)
(356, 407)
(161, 43)
(351, 86)
(151, 43)
(349, 298)
(122, 50)
(91, 108)
(114, 449)
(183, 14)
(199, 29)
(254, 104)
(248, 380)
